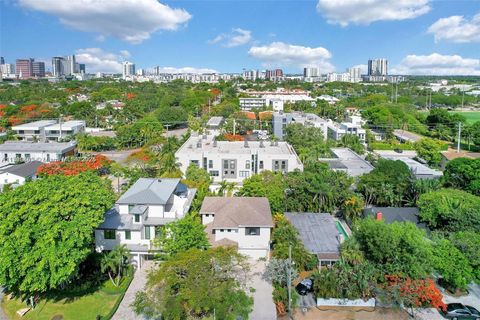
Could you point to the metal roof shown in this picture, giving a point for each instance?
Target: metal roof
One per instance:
(317, 231)
(150, 191)
(114, 220)
(215, 121)
(34, 125)
(23, 170)
(26, 146)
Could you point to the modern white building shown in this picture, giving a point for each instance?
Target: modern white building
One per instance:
(15, 151)
(242, 222)
(377, 67)
(128, 69)
(140, 214)
(234, 161)
(281, 120)
(353, 125)
(355, 74)
(214, 126)
(346, 160)
(32, 131)
(247, 104)
(63, 130)
(19, 174)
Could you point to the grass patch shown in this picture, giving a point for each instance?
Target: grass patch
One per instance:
(471, 116)
(78, 306)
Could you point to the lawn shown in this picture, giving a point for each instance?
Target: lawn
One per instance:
(471, 116)
(70, 306)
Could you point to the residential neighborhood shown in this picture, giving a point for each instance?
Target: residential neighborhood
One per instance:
(234, 160)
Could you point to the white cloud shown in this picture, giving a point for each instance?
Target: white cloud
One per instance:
(456, 29)
(344, 12)
(186, 70)
(125, 53)
(132, 21)
(235, 38)
(437, 64)
(97, 60)
(278, 54)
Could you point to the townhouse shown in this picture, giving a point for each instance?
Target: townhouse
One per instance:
(17, 151)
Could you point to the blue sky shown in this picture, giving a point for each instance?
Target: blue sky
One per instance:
(417, 36)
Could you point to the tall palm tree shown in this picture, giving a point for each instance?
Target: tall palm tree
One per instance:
(114, 262)
(223, 187)
(230, 187)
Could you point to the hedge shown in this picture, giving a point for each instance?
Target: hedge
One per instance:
(390, 146)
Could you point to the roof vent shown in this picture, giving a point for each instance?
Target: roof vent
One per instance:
(245, 144)
(214, 143)
(379, 216)
(261, 144)
(199, 144)
(204, 137)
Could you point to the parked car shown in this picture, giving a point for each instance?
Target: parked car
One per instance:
(304, 287)
(459, 311)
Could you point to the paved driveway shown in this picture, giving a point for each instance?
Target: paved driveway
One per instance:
(124, 311)
(263, 306)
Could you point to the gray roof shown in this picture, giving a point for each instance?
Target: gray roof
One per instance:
(114, 220)
(234, 212)
(396, 214)
(150, 191)
(25, 170)
(26, 146)
(348, 160)
(317, 231)
(215, 121)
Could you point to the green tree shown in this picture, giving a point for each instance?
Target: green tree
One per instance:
(464, 174)
(172, 116)
(114, 262)
(429, 150)
(46, 230)
(468, 242)
(353, 207)
(266, 184)
(397, 248)
(182, 235)
(200, 179)
(450, 210)
(452, 264)
(197, 284)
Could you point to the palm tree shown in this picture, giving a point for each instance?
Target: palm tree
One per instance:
(223, 187)
(114, 262)
(230, 187)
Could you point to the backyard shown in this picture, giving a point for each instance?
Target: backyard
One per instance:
(72, 305)
(471, 116)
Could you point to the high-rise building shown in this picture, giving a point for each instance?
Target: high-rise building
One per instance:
(57, 66)
(250, 75)
(378, 67)
(24, 68)
(274, 74)
(128, 69)
(311, 72)
(69, 65)
(2, 60)
(81, 67)
(355, 74)
(7, 69)
(38, 69)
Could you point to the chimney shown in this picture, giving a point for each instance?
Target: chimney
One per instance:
(379, 216)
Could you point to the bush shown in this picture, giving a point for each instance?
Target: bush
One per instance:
(390, 146)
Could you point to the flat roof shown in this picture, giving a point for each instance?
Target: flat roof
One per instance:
(406, 135)
(66, 125)
(450, 155)
(317, 231)
(345, 158)
(235, 147)
(27, 146)
(215, 121)
(34, 125)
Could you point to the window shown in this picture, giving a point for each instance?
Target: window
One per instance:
(27, 156)
(109, 234)
(48, 157)
(128, 235)
(214, 173)
(137, 218)
(195, 162)
(210, 164)
(204, 163)
(221, 230)
(229, 230)
(252, 231)
(244, 174)
(147, 232)
(247, 164)
(260, 165)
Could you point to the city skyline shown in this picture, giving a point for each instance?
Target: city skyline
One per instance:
(417, 37)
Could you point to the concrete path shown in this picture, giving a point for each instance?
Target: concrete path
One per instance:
(263, 306)
(124, 311)
(3, 316)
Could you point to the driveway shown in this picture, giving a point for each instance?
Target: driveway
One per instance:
(263, 306)
(124, 311)
(3, 316)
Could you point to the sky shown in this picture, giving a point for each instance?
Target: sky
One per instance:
(416, 36)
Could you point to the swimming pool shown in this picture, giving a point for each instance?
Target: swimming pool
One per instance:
(341, 229)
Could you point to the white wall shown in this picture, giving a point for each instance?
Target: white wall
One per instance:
(123, 209)
(7, 178)
(206, 220)
(108, 244)
(155, 211)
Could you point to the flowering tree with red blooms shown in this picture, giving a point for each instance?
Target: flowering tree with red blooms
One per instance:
(414, 293)
(131, 95)
(72, 168)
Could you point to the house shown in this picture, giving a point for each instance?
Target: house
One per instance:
(243, 222)
(281, 120)
(419, 170)
(319, 234)
(20, 173)
(344, 159)
(214, 125)
(140, 213)
(62, 130)
(247, 104)
(32, 131)
(450, 155)
(234, 161)
(353, 125)
(16, 151)
(395, 214)
(406, 136)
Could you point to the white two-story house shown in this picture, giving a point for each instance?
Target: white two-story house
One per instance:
(140, 214)
(243, 222)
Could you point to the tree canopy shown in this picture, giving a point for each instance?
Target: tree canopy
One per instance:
(46, 230)
(464, 174)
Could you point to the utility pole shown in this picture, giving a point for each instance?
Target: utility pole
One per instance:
(459, 136)
(234, 126)
(289, 281)
(60, 122)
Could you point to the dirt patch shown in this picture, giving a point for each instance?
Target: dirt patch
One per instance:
(346, 313)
